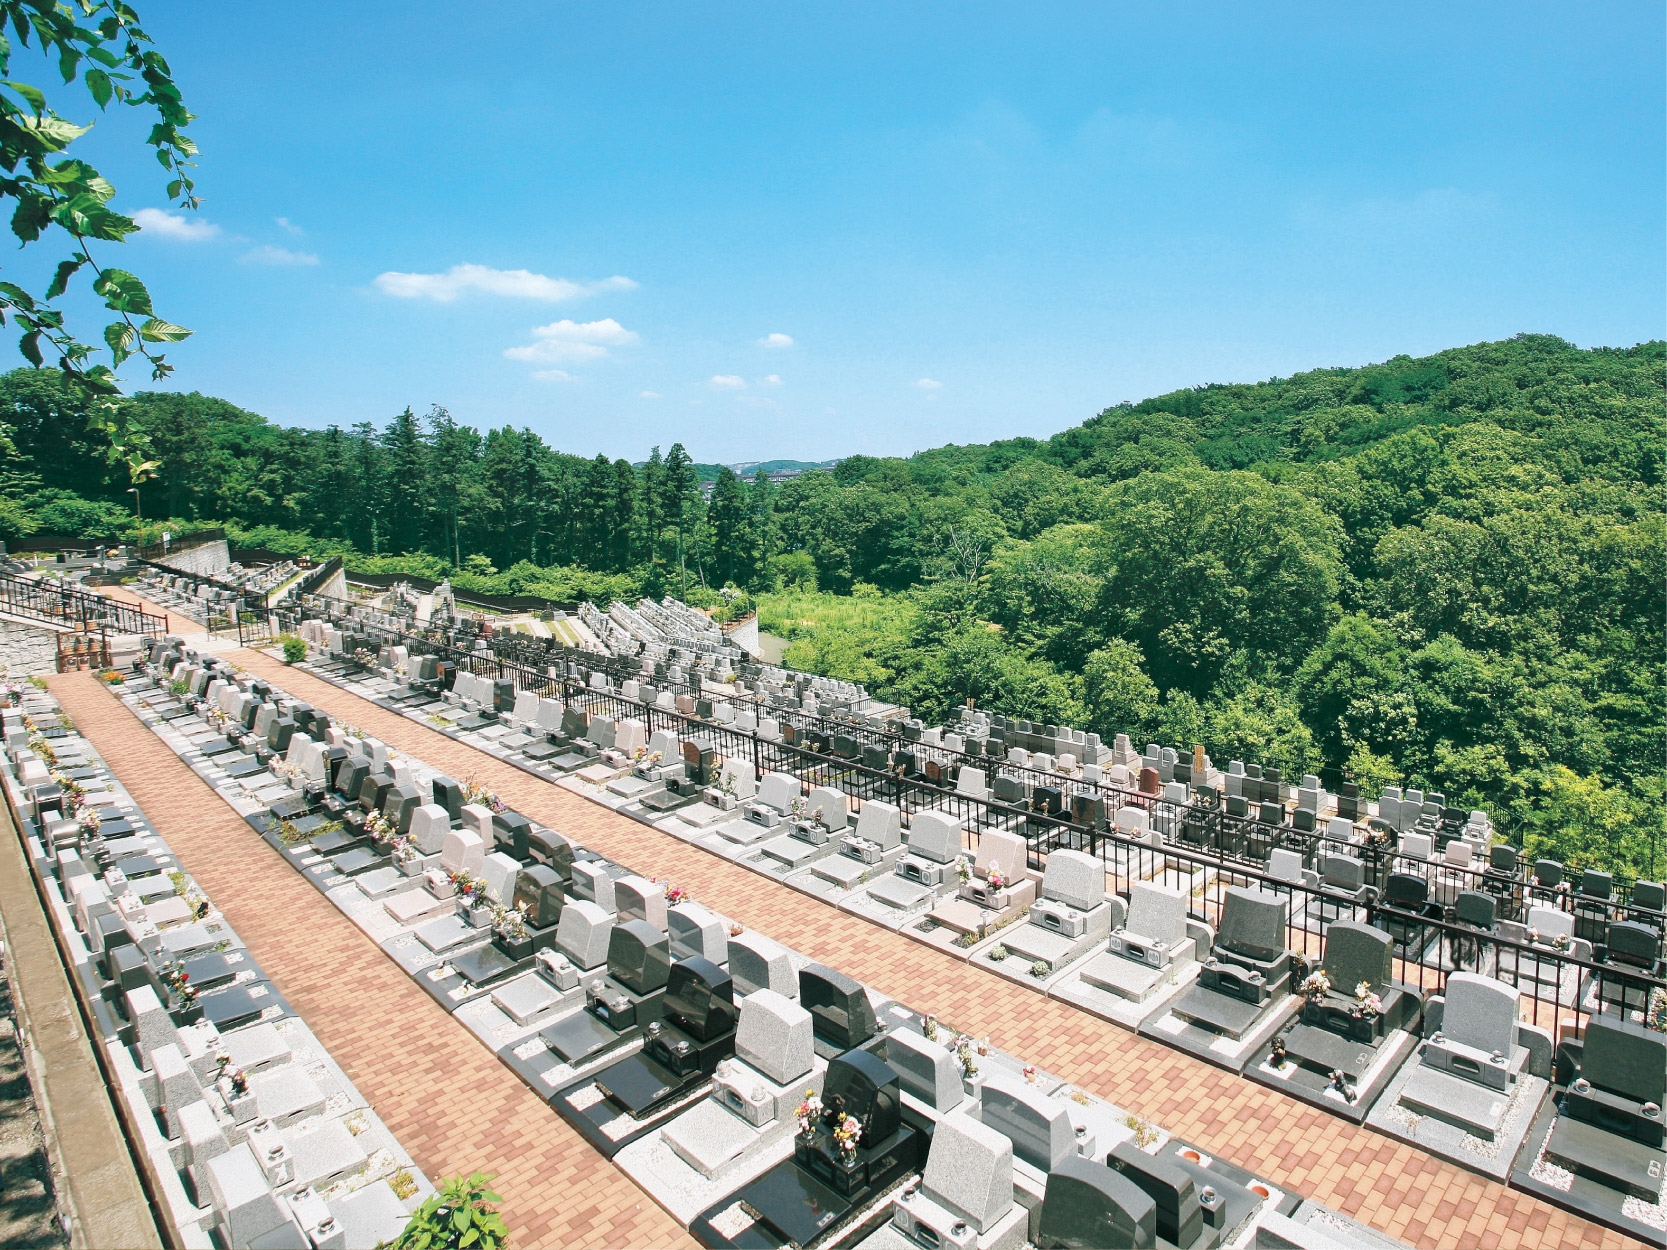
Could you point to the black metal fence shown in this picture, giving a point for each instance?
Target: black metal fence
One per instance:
(62, 604)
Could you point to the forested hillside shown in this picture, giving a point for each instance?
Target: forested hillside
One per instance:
(1448, 571)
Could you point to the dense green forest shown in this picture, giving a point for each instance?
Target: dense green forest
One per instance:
(1448, 571)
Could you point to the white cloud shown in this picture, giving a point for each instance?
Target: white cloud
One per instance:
(175, 226)
(776, 340)
(566, 340)
(269, 255)
(773, 380)
(289, 226)
(649, 395)
(729, 381)
(513, 283)
(928, 384)
(552, 375)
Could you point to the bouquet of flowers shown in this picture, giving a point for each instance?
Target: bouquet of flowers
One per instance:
(510, 921)
(847, 1133)
(993, 877)
(232, 1073)
(1656, 1017)
(1030, 1074)
(1315, 986)
(963, 869)
(179, 981)
(1367, 1005)
(930, 1028)
(809, 1113)
(88, 819)
(675, 894)
(474, 792)
(380, 828)
(963, 1055)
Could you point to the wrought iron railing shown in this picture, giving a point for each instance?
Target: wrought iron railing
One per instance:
(65, 605)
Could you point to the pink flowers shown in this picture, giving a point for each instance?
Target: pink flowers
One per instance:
(993, 877)
(847, 1133)
(809, 1112)
(675, 894)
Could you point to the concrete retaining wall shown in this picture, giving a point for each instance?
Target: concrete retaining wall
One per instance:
(208, 560)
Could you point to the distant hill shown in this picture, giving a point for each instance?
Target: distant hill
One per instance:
(746, 468)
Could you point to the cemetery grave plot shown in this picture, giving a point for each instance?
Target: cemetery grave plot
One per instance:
(1476, 1083)
(253, 1130)
(1344, 1047)
(842, 1012)
(1596, 1146)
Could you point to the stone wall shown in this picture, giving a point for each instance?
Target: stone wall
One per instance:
(208, 560)
(27, 650)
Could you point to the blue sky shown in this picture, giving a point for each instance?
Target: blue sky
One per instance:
(960, 222)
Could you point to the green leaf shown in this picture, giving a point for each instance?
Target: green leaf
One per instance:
(98, 82)
(469, 1238)
(123, 292)
(30, 346)
(37, 101)
(119, 335)
(104, 57)
(17, 295)
(60, 280)
(68, 57)
(157, 330)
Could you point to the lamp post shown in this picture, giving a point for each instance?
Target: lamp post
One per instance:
(137, 514)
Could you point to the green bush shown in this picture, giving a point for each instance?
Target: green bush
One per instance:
(295, 649)
(455, 1217)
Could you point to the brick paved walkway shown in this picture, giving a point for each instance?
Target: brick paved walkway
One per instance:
(448, 1099)
(1402, 1191)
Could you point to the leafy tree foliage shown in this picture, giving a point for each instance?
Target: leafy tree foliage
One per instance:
(1445, 572)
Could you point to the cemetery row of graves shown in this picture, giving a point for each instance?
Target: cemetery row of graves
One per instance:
(248, 1132)
(1381, 959)
(761, 1098)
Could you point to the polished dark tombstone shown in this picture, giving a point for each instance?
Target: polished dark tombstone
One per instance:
(1088, 810)
(374, 791)
(279, 735)
(1632, 947)
(841, 1015)
(398, 804)
(619, 1005)
(1180, 1217)
(1337, 1034)
(510, 833)
(542, 893)
(1607, 1122)
(1248, 968)
(1592, 906)
(1089, 1206)
(552, 850)
(1046, 800)
(449, 795)
(1406, 905)
(806, 1201)
(680, 1050)
(350, 776)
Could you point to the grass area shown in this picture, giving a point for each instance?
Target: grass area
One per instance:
(798, 614)
(841, 636)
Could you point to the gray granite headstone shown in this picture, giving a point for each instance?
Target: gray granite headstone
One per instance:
(756, 963)
(696, 932)
(880, 823)
(776, 1036)
(925, 1069)
(934, 836)
(638, 898)
(1158, 913)
(499, 871)
(430, 824)
(1253, 921)
(583, 933)
(1355, 952)
(1038, 1126)
(1074, 878)
(831, 804)
(778, 790)
(969, 1171)
(1480, 1012)
(463, 851)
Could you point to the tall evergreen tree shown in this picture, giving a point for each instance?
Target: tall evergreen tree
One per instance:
(731, 535)
(624, 516)
(365, 518)
(406, 459)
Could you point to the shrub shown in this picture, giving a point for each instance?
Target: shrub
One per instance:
(295, 649)
(454, 1217)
